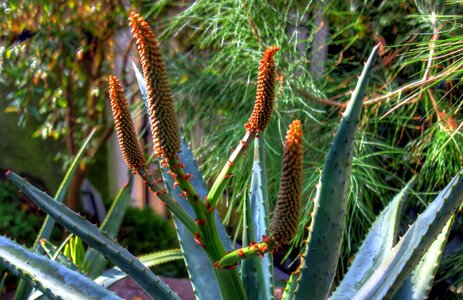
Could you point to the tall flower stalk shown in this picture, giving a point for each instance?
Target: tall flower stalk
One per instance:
(126, 134)
(258, 122)
(286, 216)
(164, 124)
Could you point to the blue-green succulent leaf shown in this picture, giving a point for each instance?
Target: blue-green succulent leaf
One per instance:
(418, 284)
(141, 84)
(406, 255)
(256, 272)
(198, 265)
(51, 251)
(23, 289)
(49, 223)
(53, 279)
(320, 260)
(94, 262)
(91, 235)
(376, 246)
(115, 274)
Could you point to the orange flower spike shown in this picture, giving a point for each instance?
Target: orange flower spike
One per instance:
(286, 215)
(164, 124)
(126, 134)
(265, 95)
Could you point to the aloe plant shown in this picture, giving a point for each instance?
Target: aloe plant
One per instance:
(385, 266)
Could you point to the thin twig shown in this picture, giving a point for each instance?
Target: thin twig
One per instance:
(322, 100)
(425, 78)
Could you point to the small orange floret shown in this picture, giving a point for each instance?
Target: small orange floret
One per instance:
(294, 135)
(260, 116)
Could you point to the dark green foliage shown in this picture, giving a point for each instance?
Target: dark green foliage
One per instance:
(14, 211)
(54, 61)
(143, 231)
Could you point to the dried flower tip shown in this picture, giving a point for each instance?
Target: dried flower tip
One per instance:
(286, 215)
(164, 124)
(263, 106)
(126, 134)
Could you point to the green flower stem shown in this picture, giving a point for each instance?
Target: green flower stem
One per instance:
(232, 258)
(227, 171)
(189, 192)
(230, 284)
(176, 209)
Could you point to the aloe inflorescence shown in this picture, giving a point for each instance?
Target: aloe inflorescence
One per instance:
(286, 215)
(258, 122)
(164, 124)
(126, 134)
(263, 107)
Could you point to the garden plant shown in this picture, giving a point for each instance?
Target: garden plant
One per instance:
(385, 266)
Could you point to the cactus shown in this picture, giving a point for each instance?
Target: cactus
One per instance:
(383, 267)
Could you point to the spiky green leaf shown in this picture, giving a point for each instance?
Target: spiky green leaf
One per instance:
(89, 233)
(94, 262)
(199, 267)
(418, 284)
(115, 274)
(256, 272)
(53, 279)
(376, 246)
(201, 272)
(54, 253)
(23, 289)
(321, 256)
(406, 255)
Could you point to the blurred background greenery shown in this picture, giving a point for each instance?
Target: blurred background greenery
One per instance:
(55, 57)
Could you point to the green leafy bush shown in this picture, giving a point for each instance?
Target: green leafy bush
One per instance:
(16, 219)
(143, 231)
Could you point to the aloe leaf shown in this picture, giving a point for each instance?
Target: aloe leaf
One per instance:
(256, 272)
(318, 266)
(23, 289)
(53, 279)
(376, 246)
(94, 262)
(290, 288)
(91, 235)
(141, 84)
(419, 283)
(199, 267)
(115, 274)
(406, 255)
